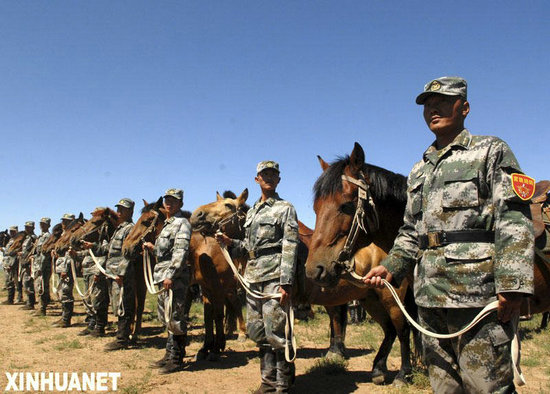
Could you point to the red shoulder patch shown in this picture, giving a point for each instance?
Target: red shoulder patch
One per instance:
(523, 185)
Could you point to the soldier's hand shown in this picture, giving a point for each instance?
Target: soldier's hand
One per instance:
(223, 239)
(286, 292)
(375, 275)
(167, 284)
(148, 246)
(508, 305)
(63, 275)
(119, 279)
(72, 252)
(86, 244)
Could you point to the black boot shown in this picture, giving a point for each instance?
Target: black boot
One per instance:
(177, 352)
(101, 323)
(91, 326)
(162, 362)
(286, 372)
(122, 336)
(11, 295)
(268, 369)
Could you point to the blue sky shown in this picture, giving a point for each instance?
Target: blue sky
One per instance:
(102, 100)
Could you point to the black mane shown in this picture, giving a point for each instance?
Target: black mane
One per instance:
(385, 185)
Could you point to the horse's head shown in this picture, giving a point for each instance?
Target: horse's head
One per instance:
(17, 243)
(64, 241)
(48, 246)
(350, 197)
(226, 214)
(147, 228)
(4, 238)
(101, 226)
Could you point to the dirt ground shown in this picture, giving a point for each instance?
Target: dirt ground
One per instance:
(29, 343)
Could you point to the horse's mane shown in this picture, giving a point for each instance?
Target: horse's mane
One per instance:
(74, 223)
(385, 185)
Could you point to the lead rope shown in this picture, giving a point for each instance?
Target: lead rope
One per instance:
(84, 296)
(120, 310)
(150, 284)
(289, 315)
(515, 350)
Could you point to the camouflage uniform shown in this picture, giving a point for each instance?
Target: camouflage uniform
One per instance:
(10, 269)
(26, 277)
(99, 297)
(171, 250)
(465, 187)
(63, 265)
(271, 241)
(117, 264)
(42, 270)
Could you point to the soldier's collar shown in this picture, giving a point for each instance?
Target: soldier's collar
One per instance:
(463, 140)
(270, 201)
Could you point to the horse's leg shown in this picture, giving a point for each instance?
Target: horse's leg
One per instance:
(234, 303)
(544, 321)
(141, 293)
(338, 322)
(375, 308)
(219, 339)
(208, 344)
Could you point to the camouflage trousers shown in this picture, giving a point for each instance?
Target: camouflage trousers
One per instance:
(99, 300)
(265, 318)
(28, 284)
(67, 297)
(10, 279)
(42, 284)
(479, 361)
(126, 311)
(178, 324)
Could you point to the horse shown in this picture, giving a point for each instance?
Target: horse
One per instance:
(4, 238)
(359, 209)
(215, 216)
(212, 272)
(63, 243)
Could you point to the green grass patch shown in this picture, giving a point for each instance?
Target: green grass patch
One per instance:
(329, 366)
(138, 386)
(74, 344)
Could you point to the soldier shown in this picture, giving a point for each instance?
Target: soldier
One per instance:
(63, 269)
(42, 267)
(124, 283)
(10, 268)
(468, 235)
(271, 242)
(27, 250)
(171, 272)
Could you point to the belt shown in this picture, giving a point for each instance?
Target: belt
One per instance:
(442, 238)
(254, 254)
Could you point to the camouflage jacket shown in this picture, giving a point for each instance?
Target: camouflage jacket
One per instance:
(63, 264)
(26, 249)
(465, 186)
(171, 249)
(270, 226)
(115, 262)
(39, 257)
(8, 260)
(88, 264)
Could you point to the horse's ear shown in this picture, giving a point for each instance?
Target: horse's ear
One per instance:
(81, 217)
(324, 164)
(158, 204)
(218, 197)
(145, 203)
(242, 198)
(357, 159)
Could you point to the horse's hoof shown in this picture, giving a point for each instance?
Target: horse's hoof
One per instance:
(334, 356)
(241, 338)
(201, 355)
(213, 357)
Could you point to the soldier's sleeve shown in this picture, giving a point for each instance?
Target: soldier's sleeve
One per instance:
(403, 255)
(101, 249)
(123, 265)
(180, 249)
(289, 246)
(514, 234)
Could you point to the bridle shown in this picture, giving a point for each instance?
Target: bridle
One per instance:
(360, 223)
(103, 232)
(236, 219)
(151, 228)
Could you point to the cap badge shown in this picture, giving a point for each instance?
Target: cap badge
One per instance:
(435, 86)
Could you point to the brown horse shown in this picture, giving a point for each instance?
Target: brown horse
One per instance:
(63, 243)
(212, 272)
(359, 209)
(218, 215)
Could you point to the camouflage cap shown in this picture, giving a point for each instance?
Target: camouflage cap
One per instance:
(29, 223)
(14, 228)
(449, 86)
(46, 221)
(126, 203)
(264, 165)
(67, 216)
(176, 193)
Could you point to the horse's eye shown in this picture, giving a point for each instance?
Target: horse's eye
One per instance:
(146, 223)
(231, 207)
(347, 208)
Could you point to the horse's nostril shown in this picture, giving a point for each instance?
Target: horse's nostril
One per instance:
(320, 273)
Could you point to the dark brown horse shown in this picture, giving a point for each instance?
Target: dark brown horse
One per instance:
(212, 272)
(354, 230)
(63, 243)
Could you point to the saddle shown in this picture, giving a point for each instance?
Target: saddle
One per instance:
(540, 208)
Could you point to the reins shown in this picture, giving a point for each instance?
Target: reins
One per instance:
(345, 259)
